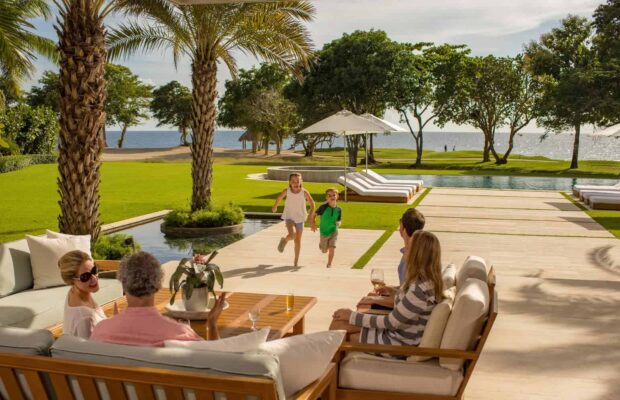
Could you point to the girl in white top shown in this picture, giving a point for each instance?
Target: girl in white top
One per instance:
(81, 312)
(295, 212)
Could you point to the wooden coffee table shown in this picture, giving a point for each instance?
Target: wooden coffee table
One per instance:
(234, 320)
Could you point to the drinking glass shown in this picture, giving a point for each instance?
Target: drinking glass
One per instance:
(290, 300)
(254, 316)
(376, 278)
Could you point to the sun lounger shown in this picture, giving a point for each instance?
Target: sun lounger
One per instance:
(364, 181)
(586, 194)
(358, 192)
(381, 179)
(578, 188)
(599, 202)
(374, 182)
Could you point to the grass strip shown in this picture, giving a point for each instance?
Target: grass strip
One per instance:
(363, 260)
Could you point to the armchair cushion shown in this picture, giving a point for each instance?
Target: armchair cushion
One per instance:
(448, 275)
(465, 321)
(473, 267)
(368, 372)
(433, 332)
(44, 256)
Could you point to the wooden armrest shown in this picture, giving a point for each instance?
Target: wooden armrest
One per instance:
(107, 265)
(318, 387)
(408, 350)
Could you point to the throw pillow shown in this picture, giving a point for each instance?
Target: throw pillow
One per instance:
(83, 239)
(44, 256)
(433, 331)
(235, 344)
(473, 267)
(303, 358)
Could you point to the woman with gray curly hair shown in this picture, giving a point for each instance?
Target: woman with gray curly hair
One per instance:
(141, 324)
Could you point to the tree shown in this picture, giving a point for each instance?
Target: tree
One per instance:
(525, 92)
(564, 61)
(417, 85)
(18, 44)
(240, 106)
(127, 98)
(82, 53)
(46, 94)
(351, 73)
(607, 47)
(207, 34)
(172, 105)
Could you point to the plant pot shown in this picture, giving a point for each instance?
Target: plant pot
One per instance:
(198, 301)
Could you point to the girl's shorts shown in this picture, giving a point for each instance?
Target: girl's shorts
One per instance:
(298, 225)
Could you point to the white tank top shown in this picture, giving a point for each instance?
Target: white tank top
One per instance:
(295, 206)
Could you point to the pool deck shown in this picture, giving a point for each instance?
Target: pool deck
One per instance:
(558, 278)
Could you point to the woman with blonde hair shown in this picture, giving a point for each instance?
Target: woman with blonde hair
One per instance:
(415, 299)
(81, 312)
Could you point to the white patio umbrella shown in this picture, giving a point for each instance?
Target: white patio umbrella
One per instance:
(346, 123)
(610, 131)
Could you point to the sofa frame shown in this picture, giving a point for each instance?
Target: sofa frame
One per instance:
(37, 368)
(470, 356)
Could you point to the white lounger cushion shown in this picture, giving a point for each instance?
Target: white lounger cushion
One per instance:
(365, 371)
(595, 187)
(380, 178)
(586, 194)
(603, 199)
(376, 181)
(377, 186)
(372, 192)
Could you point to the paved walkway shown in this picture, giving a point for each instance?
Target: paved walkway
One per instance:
(558, 271)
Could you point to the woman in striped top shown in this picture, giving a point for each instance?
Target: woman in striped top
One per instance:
(413, 303)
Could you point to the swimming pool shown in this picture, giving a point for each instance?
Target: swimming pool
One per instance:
(168, 249)
(503, 182)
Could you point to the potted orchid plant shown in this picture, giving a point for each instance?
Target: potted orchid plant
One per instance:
(196, 278)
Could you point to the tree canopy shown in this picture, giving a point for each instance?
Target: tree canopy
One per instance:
(607, 47)
(172, 105)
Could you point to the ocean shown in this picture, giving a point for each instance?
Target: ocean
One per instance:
(554, 146)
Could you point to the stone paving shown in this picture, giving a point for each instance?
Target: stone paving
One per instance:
(558, 278)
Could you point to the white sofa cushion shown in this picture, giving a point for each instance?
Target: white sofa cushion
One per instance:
(234, 344)
(83, 239)
(15, 270)
(470, 306)
(212, 362)
(473, 267)
(368, 372)
(303, 358)
(433, 332)
(44, 256)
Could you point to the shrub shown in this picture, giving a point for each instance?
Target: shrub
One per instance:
(33, 129)
(113, 247)
(211, 217)
(17, 162)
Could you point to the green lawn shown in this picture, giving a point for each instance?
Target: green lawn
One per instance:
(128, 189)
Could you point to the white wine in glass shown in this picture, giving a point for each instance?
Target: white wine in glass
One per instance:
(376, 278)
(254, 316)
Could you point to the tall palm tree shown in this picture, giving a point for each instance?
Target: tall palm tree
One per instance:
(18, 44)
(82, 51)
(208, 34)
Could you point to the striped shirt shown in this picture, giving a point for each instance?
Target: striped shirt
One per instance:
(405, 324)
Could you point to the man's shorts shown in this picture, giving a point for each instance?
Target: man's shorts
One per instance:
(298, 225)
(328, 241)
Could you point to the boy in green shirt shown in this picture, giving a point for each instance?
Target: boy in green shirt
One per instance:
(331, 216)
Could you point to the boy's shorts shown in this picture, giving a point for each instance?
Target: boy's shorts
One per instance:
(328, 241)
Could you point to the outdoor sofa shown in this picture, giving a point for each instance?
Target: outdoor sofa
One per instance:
(23, 306)
(441, 366)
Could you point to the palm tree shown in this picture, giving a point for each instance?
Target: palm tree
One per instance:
(208, 34)
(18, 44)
(82, 93)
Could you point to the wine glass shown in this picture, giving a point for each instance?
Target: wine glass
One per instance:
(376, 278)
(254, 316)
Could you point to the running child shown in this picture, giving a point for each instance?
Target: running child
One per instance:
(295, 212)
(331, 216)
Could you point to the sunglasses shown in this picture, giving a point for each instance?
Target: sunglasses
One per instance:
(85, 277)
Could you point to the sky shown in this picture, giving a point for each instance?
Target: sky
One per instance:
(498, 27)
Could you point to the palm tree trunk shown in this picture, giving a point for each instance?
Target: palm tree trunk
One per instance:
(82, 91)
(204, 93)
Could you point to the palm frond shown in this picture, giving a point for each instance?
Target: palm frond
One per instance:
(125, 40)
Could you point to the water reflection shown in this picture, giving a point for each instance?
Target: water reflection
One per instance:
(167, 249)
(503, 182)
